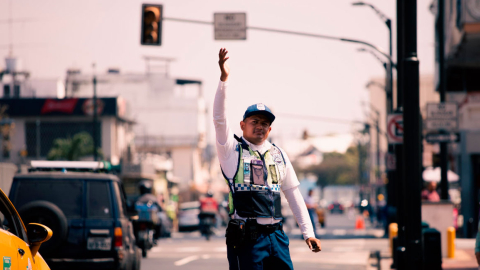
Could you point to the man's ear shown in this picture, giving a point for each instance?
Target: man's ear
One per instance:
(242, 125)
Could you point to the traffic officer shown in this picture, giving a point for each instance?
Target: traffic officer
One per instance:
(256, 171)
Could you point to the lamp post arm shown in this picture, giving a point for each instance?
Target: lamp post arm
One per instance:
(379, 13)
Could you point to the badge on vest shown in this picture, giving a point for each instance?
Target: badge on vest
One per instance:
(246, 171)
(278, 159)
(273, 173)
(257, 172)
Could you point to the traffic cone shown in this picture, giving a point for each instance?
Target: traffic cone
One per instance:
(359, 223)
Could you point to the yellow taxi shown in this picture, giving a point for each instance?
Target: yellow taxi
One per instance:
(19, 245)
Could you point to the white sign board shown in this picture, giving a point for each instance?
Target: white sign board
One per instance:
(446, 110)
(441, 116)
(441, 124)
(230, 26)
(395, 128)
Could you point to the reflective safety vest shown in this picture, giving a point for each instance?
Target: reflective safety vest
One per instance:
(255, 189)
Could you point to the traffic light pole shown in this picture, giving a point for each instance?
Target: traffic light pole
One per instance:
(95, 120)
(400, 256)
(412, 140)
(442, 90)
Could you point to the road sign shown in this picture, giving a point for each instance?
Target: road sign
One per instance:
(441, 124)
(395, 128)
(230, 26)
(442, 137)
(445, 110)
(442, 116)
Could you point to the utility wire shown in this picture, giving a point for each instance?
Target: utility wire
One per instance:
(378, 49)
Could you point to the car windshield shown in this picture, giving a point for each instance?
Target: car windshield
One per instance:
(65, 193)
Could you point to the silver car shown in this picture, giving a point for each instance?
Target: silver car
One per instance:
(188, 216)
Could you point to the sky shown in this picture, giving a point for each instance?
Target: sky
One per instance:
(292, 75)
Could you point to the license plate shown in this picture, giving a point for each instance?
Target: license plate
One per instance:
(99, 243)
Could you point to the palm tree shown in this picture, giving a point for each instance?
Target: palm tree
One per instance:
(72, 148)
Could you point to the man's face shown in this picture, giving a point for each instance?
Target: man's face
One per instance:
(256, 128)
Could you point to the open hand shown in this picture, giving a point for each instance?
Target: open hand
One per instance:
(222, 59)
(314, 244)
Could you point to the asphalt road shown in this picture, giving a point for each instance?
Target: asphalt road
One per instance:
(343, 247)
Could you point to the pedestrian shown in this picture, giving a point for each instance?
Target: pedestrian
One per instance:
(430, 193)
(311, 207)
(255, 238)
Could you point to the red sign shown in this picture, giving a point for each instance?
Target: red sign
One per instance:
(395, 128)
(87, 106)
(59, 105)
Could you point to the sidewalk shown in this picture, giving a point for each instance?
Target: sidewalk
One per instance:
(464, 258)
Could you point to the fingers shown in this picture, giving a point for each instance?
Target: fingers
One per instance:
(309, 244)
(222, 53)
(314, 244)
(319, 247)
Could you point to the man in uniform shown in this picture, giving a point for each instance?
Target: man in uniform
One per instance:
(256, 171)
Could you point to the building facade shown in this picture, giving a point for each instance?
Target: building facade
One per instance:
(462, 84)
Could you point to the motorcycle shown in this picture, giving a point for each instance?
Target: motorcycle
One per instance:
(144, 226)
(207, 221)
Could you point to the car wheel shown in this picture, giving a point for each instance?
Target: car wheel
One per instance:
(50, 215)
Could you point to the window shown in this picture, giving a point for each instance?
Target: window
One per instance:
(122, 208)
(10, 222)
(6, 91)
(99, 203)
(64, 193)
(16, 91)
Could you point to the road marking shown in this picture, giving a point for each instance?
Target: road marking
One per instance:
(220, 249)
(156, 249)
(188, 249)
(186, 260)
(339, 232)
(343, 249)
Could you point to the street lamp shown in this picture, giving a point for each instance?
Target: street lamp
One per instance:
(388, 65)
(389, 97)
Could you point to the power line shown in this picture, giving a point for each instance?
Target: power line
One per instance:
(378, 49)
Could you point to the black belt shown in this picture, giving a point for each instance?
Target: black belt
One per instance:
(269, 228)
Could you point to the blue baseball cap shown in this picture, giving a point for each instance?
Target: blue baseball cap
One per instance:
(259, 108)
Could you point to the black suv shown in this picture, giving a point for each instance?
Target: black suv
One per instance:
(87, 213)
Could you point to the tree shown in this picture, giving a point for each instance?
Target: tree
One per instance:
(337, 168)
(72, 148)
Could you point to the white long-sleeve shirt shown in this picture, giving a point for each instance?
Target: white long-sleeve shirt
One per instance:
(228, 158)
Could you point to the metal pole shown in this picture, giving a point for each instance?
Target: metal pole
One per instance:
(38, 146)
(442, 90)
(399, 257)
(412, 140)
(391, 196)
(378, 147)
(95, 137)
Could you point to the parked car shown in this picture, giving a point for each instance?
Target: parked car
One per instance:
(19, 245)
(336, 207)
(188, 216)
(86, 210)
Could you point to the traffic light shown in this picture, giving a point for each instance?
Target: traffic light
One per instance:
(151, 24)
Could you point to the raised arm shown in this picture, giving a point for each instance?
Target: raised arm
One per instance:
(222, 62)
(224, 136)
